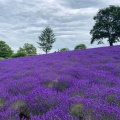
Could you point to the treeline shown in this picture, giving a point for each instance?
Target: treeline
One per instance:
(6, 51)
(27, 50)
(77, 47)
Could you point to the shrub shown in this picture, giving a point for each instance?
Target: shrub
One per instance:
(80, 46)
(19, 54)
(64, 49)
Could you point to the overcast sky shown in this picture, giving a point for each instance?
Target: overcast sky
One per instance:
(21, 21)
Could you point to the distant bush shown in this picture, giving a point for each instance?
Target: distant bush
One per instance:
(20, 54)
(64, 49)
(80, 46)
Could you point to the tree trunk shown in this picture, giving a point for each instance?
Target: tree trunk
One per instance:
(46, 51)
(111, 43)
(110, 40)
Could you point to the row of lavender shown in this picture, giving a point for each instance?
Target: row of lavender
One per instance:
(75, 85)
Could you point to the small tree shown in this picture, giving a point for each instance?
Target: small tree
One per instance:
(5, 50)
(64, 49)
(80, 46)
(47, 38)
(107, 25)
(29, 49)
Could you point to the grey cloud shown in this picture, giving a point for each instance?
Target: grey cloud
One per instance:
(82, 3)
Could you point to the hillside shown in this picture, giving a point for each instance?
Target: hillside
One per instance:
(74, 85)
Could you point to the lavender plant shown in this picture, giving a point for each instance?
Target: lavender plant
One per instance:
(74, 85)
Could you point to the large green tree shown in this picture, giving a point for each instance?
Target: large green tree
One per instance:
(107, 25)
(29, 49)
(5, 50)
(80, 46)
(47, 38)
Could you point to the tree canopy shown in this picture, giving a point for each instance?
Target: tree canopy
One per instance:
(29, 49)
(80, 46)
(107, 25)
(5, 50)
(47, 38)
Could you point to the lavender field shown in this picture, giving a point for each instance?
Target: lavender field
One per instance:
(74, 85)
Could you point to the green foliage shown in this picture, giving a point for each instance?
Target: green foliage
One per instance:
(21, 106)
(112, 99)
(61, 85)
(17, 104)
(47, 38)
(19, 54)
(5, 50)
(51, 83)
(2, 103)
(80, 46)
(29, 49)
(1, 58)
(64, 49)
(21, 50)
(107, 25)
(77, 109)
(57, 85)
